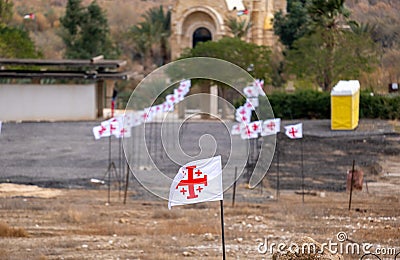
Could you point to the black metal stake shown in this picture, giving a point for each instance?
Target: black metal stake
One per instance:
(351, 184)
(126, 182)
(302, 169)
(120, 173)
(277, 169)
(222, 229)
(109, 169)
(234, 188)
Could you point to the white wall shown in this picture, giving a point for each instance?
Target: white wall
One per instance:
(47, 102)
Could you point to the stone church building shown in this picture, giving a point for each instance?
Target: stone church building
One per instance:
(196, 21)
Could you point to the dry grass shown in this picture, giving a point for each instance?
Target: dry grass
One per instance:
(71, 216)
(7, 231)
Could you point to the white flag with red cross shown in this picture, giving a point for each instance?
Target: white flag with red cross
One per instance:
(243, 114)
(113, 126)
(172, 98)
(134, 119)
(184, 86)
(167, 107)
(294, 131)
(271, 127)
(124, 126)
(145, 115)
(178, 93)
(236, 129)
(259, 87)
(101, 131)
(252, 102)
(251, 130)
(197, 181)
(250, 91)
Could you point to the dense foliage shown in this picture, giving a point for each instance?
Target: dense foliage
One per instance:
(323, 44)
(85, 32)
(309, 104)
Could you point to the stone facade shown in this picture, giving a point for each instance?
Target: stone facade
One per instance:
(195, 20)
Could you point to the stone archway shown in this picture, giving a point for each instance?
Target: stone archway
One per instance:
(188, 23)
(201, 34)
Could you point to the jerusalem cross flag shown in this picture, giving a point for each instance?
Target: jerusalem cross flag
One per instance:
(197, 181)
(271, 127)
(294, 131)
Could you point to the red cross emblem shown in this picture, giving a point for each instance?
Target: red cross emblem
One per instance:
(102, 130)
(112, 127)
(191, 181)
(271, 125)
(248, 131)
(293, 132)
(255, 127)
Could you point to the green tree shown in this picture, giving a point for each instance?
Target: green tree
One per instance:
(6, 13)
(292, 26)
(15, 43)
(249, 56)
(311, 58)
(323, 41)
(151, 36)
(85, 32)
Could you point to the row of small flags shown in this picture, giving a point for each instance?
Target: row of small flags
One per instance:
(120, 125)
(248, 129)
(243, 113)
(264, 128)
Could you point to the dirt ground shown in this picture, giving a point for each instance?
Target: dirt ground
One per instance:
(80, 224)
(76, 222)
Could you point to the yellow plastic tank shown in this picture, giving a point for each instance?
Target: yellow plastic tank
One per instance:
(345, 105)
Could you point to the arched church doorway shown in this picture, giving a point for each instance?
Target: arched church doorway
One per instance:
(201, 35)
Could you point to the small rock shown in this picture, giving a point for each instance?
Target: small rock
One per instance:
(186, 253)
(85, 246)
(239, 239)
(258, 219)
(208, 237)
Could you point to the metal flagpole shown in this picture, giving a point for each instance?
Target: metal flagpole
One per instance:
(109, 168)
(302, 169)
(126, 181)
(120, 167)
(234, 188)
(277, 168)
(222, 229)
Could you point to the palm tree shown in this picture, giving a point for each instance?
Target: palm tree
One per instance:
(238, 28)
(153, 33)
(161, 22)
(328, 17)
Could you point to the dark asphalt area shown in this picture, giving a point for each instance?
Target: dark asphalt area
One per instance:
(65, 154)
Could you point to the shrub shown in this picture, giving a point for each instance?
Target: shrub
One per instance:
(311, 104)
